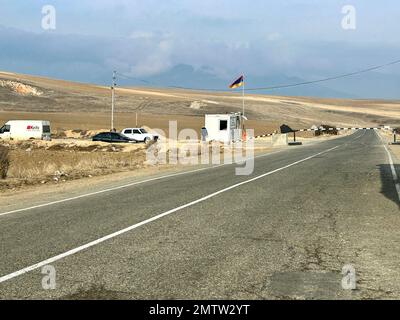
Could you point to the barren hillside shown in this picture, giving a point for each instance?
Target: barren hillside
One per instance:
(71, 105)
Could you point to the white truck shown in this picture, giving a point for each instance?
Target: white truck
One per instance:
(25, 130)
(139, 134)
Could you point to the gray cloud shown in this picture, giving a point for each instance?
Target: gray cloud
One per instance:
(147, 54)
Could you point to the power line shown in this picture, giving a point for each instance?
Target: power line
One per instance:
(170, 86)
(132, 78)
(283, 86)
(329, 78)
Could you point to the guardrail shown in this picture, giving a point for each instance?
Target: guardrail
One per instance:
(386, 128)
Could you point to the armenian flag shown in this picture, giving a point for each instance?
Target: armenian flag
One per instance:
(237, 83)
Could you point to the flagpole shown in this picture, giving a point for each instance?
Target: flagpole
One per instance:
(243, 93)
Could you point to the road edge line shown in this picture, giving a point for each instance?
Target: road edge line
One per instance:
(392, 167)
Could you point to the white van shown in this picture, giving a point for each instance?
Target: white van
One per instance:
(26, 130)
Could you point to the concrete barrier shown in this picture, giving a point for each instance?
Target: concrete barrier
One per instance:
(280, 140)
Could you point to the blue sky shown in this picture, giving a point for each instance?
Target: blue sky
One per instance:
(291, 38)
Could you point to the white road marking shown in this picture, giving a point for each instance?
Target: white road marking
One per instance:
(360, 136)
(124, 186)
(104, 191)
(157, 217)
(393, 169)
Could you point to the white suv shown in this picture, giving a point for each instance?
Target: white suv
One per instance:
(139, 134)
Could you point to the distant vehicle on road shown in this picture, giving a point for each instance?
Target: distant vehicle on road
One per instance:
(139, 134)
(112, 137)
(25, 130)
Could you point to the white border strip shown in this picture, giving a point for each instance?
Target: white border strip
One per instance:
(157, 217)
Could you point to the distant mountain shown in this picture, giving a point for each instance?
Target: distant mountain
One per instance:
(187, 76)
(183, 75)
(370, 85)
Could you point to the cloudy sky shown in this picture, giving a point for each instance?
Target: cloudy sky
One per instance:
(267, 40)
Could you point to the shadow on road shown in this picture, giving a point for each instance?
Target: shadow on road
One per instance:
(388, 185)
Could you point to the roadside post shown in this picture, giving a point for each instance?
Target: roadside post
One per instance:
(286, 129)
(395, 142)
(394, 136)
(295, 143)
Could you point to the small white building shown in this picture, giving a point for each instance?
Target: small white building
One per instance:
(224, 127)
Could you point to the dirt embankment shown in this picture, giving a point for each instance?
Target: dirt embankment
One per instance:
(40, 162)
(20, 88)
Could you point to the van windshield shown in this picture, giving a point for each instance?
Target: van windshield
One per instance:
(46, 129)
(5, 128)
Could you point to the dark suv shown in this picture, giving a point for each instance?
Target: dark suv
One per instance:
(112, 137)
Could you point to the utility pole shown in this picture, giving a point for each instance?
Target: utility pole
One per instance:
(114, 84)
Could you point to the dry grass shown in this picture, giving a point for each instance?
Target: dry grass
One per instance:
(4, 161)
(38, 162)
(42, 164)
(45, 163)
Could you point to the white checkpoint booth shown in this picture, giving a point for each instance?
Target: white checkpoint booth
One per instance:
(224, 127)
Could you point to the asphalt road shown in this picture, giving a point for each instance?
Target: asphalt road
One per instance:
(285, 232)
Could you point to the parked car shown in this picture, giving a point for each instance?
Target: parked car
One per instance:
(113, 137)
(139, 134)
(25, 130)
